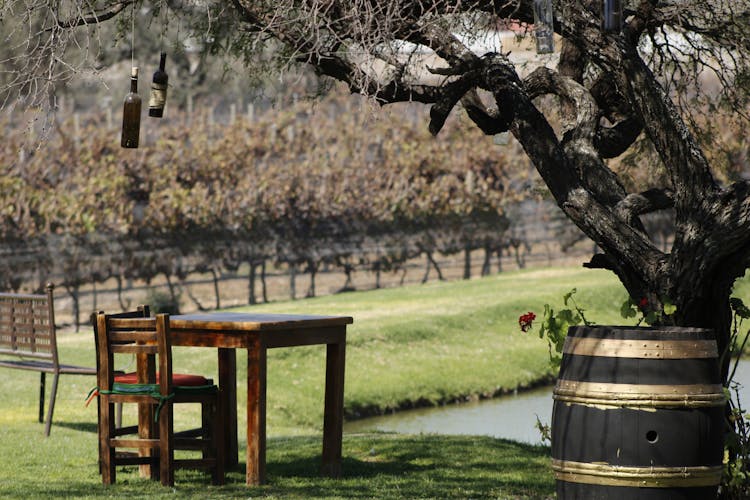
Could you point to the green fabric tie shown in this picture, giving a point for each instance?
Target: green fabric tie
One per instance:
(151, 390)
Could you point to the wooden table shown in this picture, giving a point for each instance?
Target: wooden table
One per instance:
(257, 333)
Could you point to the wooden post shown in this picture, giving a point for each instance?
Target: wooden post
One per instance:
(467, 262)
(292, 280)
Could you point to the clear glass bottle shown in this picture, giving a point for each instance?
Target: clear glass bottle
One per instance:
(131, 114)
(612, 15)
(543, 26)
(158, 97)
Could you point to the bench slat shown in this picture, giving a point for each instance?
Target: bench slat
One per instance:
(16, 353)
(27, 333)
(23, 318)
(22, 296)
(21, 348)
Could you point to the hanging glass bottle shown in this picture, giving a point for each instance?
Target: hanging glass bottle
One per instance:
(158, 97)
(543, 26)
(612, 15)
(131, 114)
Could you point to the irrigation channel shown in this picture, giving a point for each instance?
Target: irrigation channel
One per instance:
(511, 417)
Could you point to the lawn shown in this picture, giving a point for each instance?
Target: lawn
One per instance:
(416, 345)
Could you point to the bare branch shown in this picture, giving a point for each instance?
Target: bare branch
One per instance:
(451, 94)
(489, 121)
(95, 17)
(646, 202)
(611, 142)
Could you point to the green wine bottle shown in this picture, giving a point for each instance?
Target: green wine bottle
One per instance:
(131, 114)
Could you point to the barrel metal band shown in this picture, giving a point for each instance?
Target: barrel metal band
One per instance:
(639, 395)
(645, 349)
(643, 477)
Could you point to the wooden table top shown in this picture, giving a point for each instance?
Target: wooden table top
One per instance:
(253, 321)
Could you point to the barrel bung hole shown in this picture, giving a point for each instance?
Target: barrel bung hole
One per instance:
(652, 436)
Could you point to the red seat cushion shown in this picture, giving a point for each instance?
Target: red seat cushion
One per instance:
(182, 379)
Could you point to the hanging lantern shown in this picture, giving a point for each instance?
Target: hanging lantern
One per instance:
(544, 27)
(131, 114)
(612, 15)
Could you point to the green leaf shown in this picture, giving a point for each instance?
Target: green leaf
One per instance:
(568, 295)
(569, 317)
(651, 318)
(628, 309)
(739, 308)
(668, 306)
(669, 309)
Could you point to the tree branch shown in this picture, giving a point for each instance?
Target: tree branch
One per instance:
(96, 17)
(611, 142)
(678, 149)
(579, 142)
(489, 121)
(451, 94)
(646, 202)
(546, 81)
(731, 228)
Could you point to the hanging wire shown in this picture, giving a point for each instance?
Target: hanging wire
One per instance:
(165, 21)
(132, 37)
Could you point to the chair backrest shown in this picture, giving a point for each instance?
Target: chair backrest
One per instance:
(138, 336)
(143, 311)
(27, 325)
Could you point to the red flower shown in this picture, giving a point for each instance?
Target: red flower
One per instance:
(524, 321)
(643, 303)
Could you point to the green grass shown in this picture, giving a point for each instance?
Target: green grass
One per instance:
(414, 345)
(375, 466)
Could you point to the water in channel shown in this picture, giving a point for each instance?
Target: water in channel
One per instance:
(510, 417)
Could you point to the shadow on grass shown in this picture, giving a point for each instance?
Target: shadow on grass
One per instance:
(374, 466)
(388, 465)
(77, 426)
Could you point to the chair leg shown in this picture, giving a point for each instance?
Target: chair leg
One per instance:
(217, 441)
(41, 396)
(99, 432)
(166, 448)
(206, 425)
(51, 409)
(106, 452)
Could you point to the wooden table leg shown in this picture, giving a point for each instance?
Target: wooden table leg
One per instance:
(256, 413)
(228, 387)
(333, 416)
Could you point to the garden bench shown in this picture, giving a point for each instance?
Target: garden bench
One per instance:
(28, 342)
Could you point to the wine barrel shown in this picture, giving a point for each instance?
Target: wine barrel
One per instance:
(638, 413)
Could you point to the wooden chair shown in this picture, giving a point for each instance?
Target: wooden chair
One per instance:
(146, 365)
(28, 341)
(149, 337)
(144, 362)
